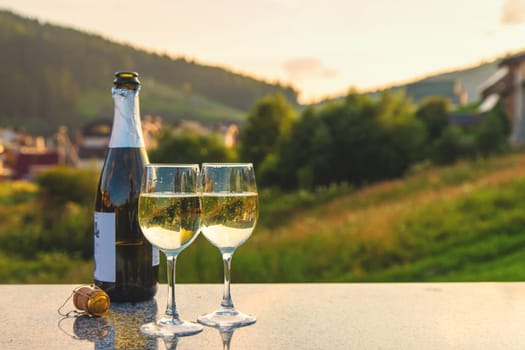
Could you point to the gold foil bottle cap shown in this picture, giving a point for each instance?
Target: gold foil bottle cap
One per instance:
(91, 299)
(129, 80)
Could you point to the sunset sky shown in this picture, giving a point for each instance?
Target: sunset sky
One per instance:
(322, 47)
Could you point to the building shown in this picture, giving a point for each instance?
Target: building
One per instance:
(231, 136)
(31, 161)
(24, 156)
(508, 86)
(92, 143)
(93, 140)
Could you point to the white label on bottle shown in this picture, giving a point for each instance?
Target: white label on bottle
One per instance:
(127, 128)
(155, 257)
(105, 257)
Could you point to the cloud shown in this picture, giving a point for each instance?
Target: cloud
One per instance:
(308, 68)
(513, 12)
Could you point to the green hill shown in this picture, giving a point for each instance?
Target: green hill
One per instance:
(449, 83)
(470, 78)
(445, 84)
(54, 76)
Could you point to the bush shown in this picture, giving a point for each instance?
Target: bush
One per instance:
(188, 147)
(453, 145)
(62, 185)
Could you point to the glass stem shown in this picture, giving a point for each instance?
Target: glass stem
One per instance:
(171, 309)
(227, 302)
(226, 336)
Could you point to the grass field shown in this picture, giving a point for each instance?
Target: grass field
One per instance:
(464, 222)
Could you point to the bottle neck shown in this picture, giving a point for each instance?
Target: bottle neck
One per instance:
(127, 128)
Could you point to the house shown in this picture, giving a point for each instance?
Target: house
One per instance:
(93, 140)
(27, 156)
(229, 133)
(507, 85)
(31, 161)
(92, 143)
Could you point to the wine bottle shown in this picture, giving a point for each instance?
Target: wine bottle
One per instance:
(126, 265)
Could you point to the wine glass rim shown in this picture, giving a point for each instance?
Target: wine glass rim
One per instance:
(165, 165)
(227, 164)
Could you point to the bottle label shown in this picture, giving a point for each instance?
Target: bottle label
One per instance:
(105, 257)
(127, 128)
(155, 257)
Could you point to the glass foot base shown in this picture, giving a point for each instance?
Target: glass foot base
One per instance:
(226, 318)
(168, 327)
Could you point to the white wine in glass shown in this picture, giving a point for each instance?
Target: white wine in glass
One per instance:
(169, 220)
(230, 218)
(169, 216)
(230, 212)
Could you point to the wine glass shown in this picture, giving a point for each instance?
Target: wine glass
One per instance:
(169, 216)
(230, 211)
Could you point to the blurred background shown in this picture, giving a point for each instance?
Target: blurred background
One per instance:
(387, 137)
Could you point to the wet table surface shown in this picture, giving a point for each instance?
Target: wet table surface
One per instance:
(289, 316)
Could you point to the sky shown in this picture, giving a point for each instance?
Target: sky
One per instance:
(321, 47)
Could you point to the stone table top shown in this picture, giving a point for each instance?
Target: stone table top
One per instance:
(289, 316)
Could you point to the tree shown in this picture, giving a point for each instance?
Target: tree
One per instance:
(356, 140)
(433, 112)
(295, 152)
(188, 147)
(404, 135)
(453, 145)
(493, 132)
(267, 123)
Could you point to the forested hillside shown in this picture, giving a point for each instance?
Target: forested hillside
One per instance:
(55, 76)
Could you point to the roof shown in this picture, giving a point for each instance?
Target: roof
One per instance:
(99, 127)
(511, 60)
(500, 82)
(488, 103)
(464, 119)
(25, 161)
(90, 152)
(498, 75)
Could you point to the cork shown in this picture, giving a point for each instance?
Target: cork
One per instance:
(91, 299)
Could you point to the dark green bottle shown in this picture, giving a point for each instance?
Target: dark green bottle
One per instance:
(126, 265)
